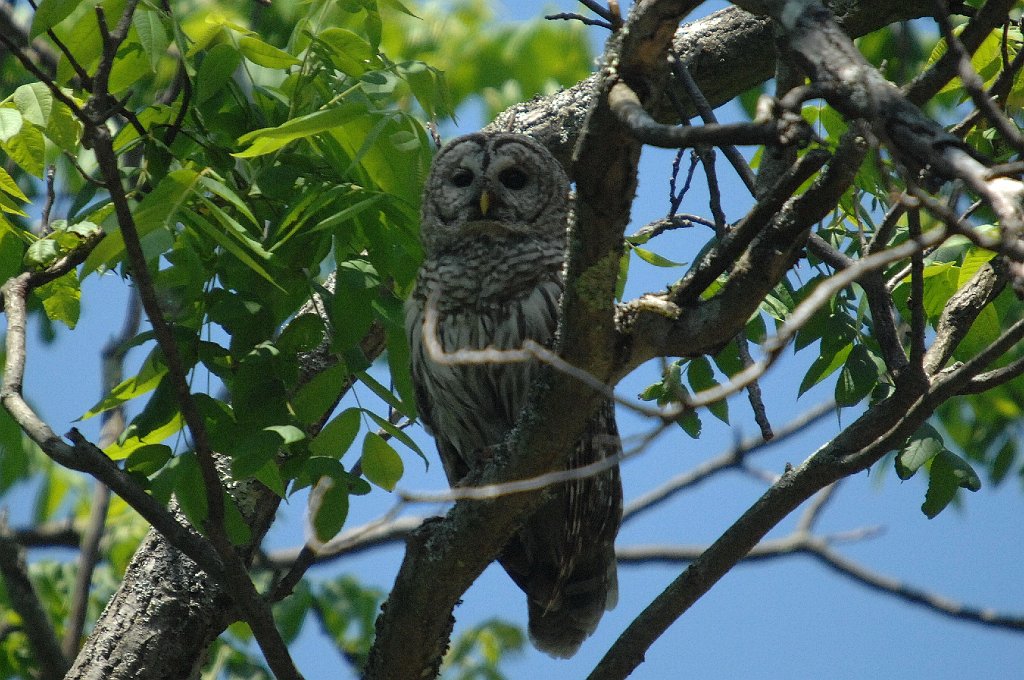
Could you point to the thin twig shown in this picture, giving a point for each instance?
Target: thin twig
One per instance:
(707, 114)
(571, 16)
(725, 460)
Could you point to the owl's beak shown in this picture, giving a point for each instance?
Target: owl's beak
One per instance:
(485, 202)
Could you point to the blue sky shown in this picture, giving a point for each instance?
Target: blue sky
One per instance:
(788, 618)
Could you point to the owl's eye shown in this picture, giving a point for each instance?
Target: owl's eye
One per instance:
(462, 178)
(513, 178)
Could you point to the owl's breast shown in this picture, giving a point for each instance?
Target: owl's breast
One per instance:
(474, 405)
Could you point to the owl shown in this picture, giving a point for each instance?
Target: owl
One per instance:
(496, 208)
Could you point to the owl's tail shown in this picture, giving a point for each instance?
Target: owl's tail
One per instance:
(559, 628)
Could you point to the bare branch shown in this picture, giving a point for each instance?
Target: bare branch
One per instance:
(571, 16)
(626, 106)
(724, 461)
(820, 548)
(707, 114)
(908, 593)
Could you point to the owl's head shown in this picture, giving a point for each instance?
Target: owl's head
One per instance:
(499, 184)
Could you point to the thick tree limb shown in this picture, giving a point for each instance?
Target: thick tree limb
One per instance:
(727, 53)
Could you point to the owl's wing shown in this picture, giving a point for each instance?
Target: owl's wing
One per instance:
(455, 467)
(564, 555)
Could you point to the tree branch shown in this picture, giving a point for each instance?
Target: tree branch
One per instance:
(25, 600)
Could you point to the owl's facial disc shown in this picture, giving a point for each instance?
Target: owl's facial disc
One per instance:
(494, 185)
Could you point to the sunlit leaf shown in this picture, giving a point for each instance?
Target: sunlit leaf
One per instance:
(651, 257)
(267, 140)
(261, 53)
(27, 149)
(150, 374)
(62, 299)
(131, 444)
(350, 53)
(35, 102)
(922, 446)
(152, 35)
(10, 123)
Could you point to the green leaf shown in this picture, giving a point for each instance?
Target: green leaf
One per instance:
(218, 188)
(150, 373)
(396, 4)
(974, 259)
(386, 395)
(270, 476)
(156, 212)
(654, 258)
(63, 128)
(290, 613)
(41, 253)
(690, 422)
(329, 507)
(702, 377)
(133, 443)
(289, 433)
(17, 453)
(380, 462)
(396, 432)
(317, 397)
(261, 53)
(62, 299)
(948, 473)
(49, 13)
(130, 65)
(219, 65)
(825, 365)
(35, 101)
(27, 149)
(235, 526)
(347, 214)
(429, 87)
(858, 377)
(243, 252)
(983, 332)
(337, 436)
(190, 489)
(152, 35)
(146, 460)
(920, 448)
(303, 334)
(10, 123)
(350, 53)
(268, 140)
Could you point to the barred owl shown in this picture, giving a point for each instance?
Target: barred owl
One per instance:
(495, 213)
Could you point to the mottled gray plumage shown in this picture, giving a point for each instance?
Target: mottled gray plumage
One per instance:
(494, 219)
